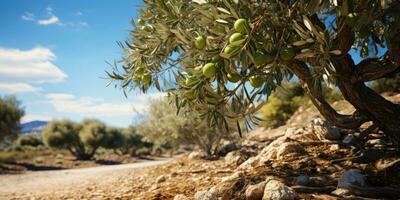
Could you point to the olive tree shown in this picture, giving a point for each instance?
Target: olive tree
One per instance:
(114, 139)
(221, 57)
(163, 126)
(133, 141)
(11, 113)
(82, 139)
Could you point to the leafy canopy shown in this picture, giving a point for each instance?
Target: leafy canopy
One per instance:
(222, 56)
(11, 113)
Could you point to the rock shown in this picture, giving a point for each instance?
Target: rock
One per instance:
(341, 192)
(334, 147)
(376, 142)
(275, 189)
(161, 179)
(237, 157)
(289, 148)
(349, 139)
(302, 180)
(255, 192)
(229, 185)
(210, 194)
(324, 130)
(352, 177)
(278, 149)
(181, 197)
(196, 155)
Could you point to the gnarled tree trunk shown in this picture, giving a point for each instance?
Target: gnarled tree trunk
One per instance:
(370, 106)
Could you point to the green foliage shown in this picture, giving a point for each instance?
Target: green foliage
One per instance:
(28, 141)
(389, 84)
(133, 142)
(93, 133)
(61, 134)
(282, 104)
(288, 31)
(114, 139)
(11, 113)
(82, 140)
(164, 127)
(285, 100)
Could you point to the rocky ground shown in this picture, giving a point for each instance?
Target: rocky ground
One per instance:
(306, 159)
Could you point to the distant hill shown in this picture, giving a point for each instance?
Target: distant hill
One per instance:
(33, 127)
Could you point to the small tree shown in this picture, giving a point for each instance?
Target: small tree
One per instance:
(133, 141)
(11, 113)
(114, 139)
(164, 127)
(82, 140)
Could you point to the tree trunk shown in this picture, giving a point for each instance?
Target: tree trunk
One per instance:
(382, 112)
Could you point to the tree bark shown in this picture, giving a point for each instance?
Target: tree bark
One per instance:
(384, 113)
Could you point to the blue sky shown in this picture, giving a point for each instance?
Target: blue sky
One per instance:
(53, 58)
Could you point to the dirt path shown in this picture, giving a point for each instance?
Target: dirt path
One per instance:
(91, 183)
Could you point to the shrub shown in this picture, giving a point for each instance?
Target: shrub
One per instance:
(114, 139)
(11, 113)
(285, 100)
(164, 127)
(282, 104)
(133, 141)
(28, 140)
(82, 140)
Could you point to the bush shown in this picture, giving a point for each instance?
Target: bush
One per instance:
(28, 141)
(114, 139)
(82, 140)
(11, 113)
(133, 142)
(164, 127)
(285, 100)
(282, 104)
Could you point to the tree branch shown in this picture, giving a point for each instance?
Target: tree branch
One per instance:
(374, 68)
(344, 121)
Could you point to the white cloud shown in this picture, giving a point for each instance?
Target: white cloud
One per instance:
(13, 88)
(97, 107)
(33, 117)
(20, 70)
(29, 66)
(51, 20)
(28, 16)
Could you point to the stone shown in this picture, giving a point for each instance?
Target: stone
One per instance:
(229, 185)
(181, 197)
(289, 148)
(210, 194)
(302, 180)
(341, 192)
(278, 149)
(348, 139)
(334, 147)
(161, 179)
(352, 177)
(255, 192)
(237, 157)
(196, 155)
(324, 130)
(376, 142)
(275, 189)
